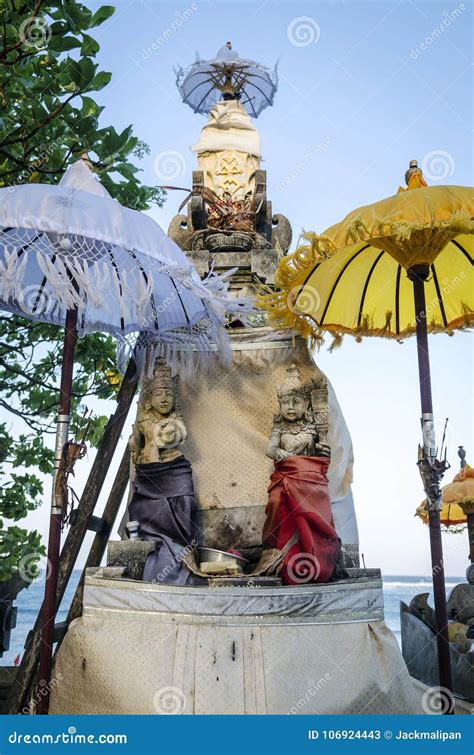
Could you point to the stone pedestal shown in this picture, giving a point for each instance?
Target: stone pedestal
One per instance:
(157, 649)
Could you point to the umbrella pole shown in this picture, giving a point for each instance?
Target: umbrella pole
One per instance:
(57, 503)
(418, 275)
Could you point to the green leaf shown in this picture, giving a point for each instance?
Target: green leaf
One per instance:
(89, 107)
(89, 46)
(71, 87)
(87, 68)
(58, 27)
(101, 15)
(61, 44)
(78, 15)
(100, 80)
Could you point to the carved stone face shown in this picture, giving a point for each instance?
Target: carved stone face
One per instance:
(292, 407)
(162, 400)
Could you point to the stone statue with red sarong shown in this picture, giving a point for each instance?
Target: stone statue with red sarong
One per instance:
(298, 515)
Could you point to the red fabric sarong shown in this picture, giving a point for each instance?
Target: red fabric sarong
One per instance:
(299, 504)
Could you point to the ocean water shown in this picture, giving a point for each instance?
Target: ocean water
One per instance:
(395, 588)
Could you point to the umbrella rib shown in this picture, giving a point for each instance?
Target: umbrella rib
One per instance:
(251, 84)
(114, 265)
(341, 273)
(267, 79)
(249, 102)
(205, 97)
(42, 285)
(313, 270)
(199, 84)
(440, 297)
(397, 300)
(145, 278)
(202, 72)
(464, 251)
(366, 285)
(181, 301)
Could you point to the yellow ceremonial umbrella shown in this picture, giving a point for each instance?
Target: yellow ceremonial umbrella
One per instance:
(391, 269)
(457, 507)
(455, 497)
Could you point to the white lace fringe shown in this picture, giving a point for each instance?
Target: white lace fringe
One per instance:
(73, 282)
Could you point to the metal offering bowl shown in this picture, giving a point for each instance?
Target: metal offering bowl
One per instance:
(212, 554)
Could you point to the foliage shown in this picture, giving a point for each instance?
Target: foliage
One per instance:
(48, 76)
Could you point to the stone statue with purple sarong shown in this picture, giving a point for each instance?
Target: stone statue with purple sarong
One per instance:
(163, 501)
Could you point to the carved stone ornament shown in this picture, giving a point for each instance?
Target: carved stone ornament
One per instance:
(295, 432)
(159, 429)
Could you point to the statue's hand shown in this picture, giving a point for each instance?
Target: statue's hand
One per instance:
(134, 441)
(323, 448)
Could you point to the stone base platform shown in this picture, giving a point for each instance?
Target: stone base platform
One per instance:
(143, 648)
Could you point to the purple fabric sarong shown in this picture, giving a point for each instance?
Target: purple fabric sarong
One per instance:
(164, 505)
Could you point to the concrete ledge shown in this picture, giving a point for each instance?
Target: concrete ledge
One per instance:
(345, 601)
(129, 554)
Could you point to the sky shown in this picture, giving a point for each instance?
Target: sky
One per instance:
(364, 87)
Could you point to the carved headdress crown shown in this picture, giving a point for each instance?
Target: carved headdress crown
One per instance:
(292, 384)
(162, 378)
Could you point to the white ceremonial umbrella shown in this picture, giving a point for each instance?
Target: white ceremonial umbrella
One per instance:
(70, 254)
(227, 76)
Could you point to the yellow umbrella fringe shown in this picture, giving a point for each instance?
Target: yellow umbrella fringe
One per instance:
(451, 526)
(468, 314)
(458, 223)
(336, 342)
(365, 331)
(450, 529)
(290, 276)
(280, 316)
